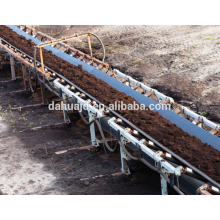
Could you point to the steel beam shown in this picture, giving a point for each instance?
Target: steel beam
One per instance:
(12, 63)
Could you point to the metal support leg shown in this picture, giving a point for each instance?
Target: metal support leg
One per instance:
(124, 158)
(12, 62)
(124, 166)
(164, 190)
(94, 141)
(25, 77)
(43, 93)
(65, 115)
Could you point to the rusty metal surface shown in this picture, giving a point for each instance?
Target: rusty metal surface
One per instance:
(62, 45)
(213, 131)
(18, 57)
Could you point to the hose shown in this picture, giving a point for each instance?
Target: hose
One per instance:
(108, 155)
(100, 130)
(127, 153)
(103, 48)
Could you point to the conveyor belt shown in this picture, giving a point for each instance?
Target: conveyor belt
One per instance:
(187, 126)
(174, 118)
(198, 120)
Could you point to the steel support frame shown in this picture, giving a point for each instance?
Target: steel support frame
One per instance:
(165, 100)
(92, 115)
(163, 182)
(32, 32)
(164, 165)
(94, 140)
(93, 112)
(124, 158)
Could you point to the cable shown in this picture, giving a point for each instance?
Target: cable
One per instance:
(103, 47)
(100, 130)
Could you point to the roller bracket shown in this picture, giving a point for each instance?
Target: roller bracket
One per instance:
(203, 190)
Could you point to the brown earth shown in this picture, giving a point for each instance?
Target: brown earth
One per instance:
(186, 146)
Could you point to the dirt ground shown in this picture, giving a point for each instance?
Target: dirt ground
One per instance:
(179, 61)
(30, 134)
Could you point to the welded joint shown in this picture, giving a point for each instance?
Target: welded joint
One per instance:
(157, 156)
(143, 141)
(125, 141)
(179, 170)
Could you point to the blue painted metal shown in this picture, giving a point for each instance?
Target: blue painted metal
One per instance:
(186, 125)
